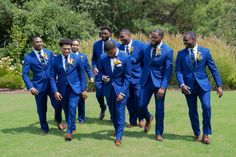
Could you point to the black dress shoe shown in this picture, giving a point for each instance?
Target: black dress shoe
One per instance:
(68, 137)
(101, 115)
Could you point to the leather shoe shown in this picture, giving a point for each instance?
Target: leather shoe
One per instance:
(205, 139)
(148, 124)
(61, 126)
(159, 138)
(141, 123)
(197, 138)
(131, 125)
(117, 143)
(101, 115)
(68, 137)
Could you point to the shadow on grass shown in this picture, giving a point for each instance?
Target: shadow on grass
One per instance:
(89, 120)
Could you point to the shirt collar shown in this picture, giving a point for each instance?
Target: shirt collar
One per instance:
(195, 49)
(130, 43)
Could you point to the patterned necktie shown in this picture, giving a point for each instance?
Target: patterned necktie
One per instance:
(42, 60)
(192, 57)
(127, 49)
(66, 64)
(153, 52)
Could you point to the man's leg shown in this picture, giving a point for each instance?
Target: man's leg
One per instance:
(131, 104)
(81, 110)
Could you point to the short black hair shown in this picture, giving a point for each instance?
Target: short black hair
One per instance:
(125, 30)
(34, 37)
(160, 32)
(75, 39)
(65, 42)
(109, 45)
(191, 34)
(106, 28)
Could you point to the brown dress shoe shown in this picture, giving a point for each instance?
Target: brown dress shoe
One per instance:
(197, 138)
(159, 138)
(68, 137)
(117, 143)
(148, 124)
(141, 123)
(101, 115)
(61, 126)
(205, 139)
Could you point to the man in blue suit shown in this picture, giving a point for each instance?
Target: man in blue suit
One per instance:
(132, 48)
(191, 75)
(71, 83)
(39, 62)
(157, 60)
(115, 70)
(84, 58)
(98, 49)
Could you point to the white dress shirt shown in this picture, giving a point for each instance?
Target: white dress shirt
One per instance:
(195, 49)
(158, 46)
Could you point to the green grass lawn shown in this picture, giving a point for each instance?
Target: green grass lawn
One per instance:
(20, 132)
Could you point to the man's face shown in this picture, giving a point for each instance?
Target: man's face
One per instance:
(111, 53)
(125, 38)
(37, 43)
(155, 39)
(105, 34)
(75, 46)
(189, 42)
(65, 49)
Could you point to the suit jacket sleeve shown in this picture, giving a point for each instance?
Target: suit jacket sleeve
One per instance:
(168, 70)
(25, 74)
(53, 74)
(87, 67)
(82, 75)
(94, 58)
(213, 69)
(127, 75)
(179, 70)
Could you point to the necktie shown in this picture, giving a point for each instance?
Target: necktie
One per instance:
(66, 64)
(42, 60)
(127, 49)
(192, 57)
(153, 52)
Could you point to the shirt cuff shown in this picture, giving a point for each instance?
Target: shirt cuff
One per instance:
(31, 89)
(122, 94)
(181, 85)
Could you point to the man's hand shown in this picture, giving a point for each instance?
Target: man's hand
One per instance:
(90, 80)
(120, 97)
(34, 91)
(160, 93)
(105, 78)
(185, 89)
(58, 96)
(84, 95)
(219, 92)
(95, 71)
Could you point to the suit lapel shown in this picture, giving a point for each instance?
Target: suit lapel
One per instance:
(189, 59)
(35, 58)
(108, 63)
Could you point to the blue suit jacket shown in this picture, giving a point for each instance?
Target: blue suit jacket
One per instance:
(119, 78)
(136, 68)
(41, 74)
(187, 74)
(159, 67)
(97, 51)
(84, 59)
(75, 76)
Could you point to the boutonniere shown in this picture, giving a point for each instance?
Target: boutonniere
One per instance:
(71, 61)
(117, 62)
(199, 56)
(82, 57)
(45, 56)
(131, 49)
(158, 51)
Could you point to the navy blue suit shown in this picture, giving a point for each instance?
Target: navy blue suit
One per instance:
(119, 83)
(87, 68)
(134, 87)
(196, 78)
(70, 85)
(98, 49)
(40, 81)
(156, 74)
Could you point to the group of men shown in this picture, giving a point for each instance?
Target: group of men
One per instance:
(126, 74)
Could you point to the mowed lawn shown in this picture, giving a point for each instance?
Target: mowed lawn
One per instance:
(20, 132)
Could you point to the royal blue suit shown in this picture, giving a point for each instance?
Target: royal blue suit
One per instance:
(134, 87)
(87, 68)
(98, 49)
(156, 74)
(119, 83)
(195, 77)
(40, 81)
(70, 85)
